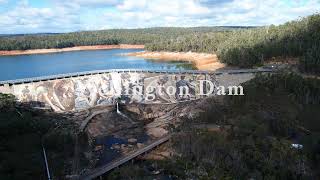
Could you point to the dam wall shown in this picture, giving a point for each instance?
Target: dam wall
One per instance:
(77, 91)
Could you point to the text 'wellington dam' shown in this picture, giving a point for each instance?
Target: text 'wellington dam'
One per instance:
(78, 91)
(94, 98)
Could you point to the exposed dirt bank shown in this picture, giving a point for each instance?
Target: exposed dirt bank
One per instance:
(202, 61)
(77, 48)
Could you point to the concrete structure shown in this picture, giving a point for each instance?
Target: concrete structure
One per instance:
(76, 91)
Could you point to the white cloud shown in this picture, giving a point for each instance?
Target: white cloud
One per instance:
(71, 15)
(88, 3)
(26, 19)
(97, 2)
(205, 12)
(258, 12)
(156, 13)
(158, 7)
(132, 5)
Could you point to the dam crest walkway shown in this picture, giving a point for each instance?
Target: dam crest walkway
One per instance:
(86, 73)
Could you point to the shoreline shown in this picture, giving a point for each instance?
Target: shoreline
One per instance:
(69, 49)
(202, 61)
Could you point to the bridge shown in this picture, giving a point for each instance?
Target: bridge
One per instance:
(82, 90)
(110, 166)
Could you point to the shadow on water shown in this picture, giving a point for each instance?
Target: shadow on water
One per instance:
(107, 143)
(180, 65)
(107, 153)
(112, 146)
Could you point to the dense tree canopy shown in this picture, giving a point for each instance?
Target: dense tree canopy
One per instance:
(104, 37)
(250, 47)
(23, 131)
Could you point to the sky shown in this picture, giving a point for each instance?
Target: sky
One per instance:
(43, 16)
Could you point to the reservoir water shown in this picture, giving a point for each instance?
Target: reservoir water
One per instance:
(27, 66)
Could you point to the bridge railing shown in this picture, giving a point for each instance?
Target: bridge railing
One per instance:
(86, 73)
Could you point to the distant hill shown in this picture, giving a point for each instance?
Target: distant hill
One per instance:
(34, 34)
(103, 37)
(199, 29)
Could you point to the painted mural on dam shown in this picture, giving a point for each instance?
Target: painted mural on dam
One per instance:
(105, 89)
(58, 94)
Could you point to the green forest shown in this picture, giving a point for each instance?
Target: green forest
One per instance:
(255, 137)
(23, 132)
(249, 47)
(240, 46)
(104, 37)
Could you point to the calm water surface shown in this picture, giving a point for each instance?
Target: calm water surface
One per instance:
(26, 66)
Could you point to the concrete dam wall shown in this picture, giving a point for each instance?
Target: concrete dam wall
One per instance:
(82, 91)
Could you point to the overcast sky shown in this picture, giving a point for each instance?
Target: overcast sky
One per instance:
(34, 16)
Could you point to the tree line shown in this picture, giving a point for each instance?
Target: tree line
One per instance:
(249, 47)
(103, 37)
